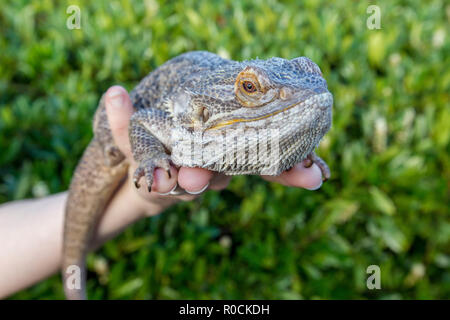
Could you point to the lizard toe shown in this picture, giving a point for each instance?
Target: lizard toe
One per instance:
(313, 158)
(147, 168)
(138, 173)
(164, 164)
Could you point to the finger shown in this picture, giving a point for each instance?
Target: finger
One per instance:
(219, 181)
(194, 180)
(161, 181)
(300, 176)
(119, 110)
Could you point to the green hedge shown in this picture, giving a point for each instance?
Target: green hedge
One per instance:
(387, 202)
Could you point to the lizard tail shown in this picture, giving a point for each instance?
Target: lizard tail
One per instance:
(91, 188)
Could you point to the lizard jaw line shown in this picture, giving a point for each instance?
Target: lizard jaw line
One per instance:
(320, 99)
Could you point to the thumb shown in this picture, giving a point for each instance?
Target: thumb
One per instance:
(119, 110)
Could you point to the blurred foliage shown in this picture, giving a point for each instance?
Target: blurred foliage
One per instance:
(387, 202)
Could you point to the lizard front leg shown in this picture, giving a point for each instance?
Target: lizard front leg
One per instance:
(149, 128)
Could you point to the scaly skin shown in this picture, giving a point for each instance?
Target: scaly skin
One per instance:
(200, 110)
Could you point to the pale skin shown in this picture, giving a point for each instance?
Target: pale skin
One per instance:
(31, 230)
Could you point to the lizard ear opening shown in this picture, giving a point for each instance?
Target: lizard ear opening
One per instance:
(250, 86)
(205, 114)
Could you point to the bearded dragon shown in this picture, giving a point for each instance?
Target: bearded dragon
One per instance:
(200, 110)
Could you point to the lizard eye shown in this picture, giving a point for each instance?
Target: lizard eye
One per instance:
(249, 86)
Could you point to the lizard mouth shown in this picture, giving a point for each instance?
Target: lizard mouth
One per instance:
(322, 101)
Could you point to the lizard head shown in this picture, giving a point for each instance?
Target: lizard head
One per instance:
(289, 97)
(257, 91)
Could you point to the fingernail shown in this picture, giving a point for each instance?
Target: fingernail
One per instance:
(115, 97)
(167, 193)
(317, 187)
(200, 191)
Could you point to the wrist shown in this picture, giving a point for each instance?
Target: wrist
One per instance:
(125, 208)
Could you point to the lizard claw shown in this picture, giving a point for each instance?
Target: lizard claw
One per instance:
(147, 168)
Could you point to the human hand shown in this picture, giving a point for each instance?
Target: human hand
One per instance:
(194, 180)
